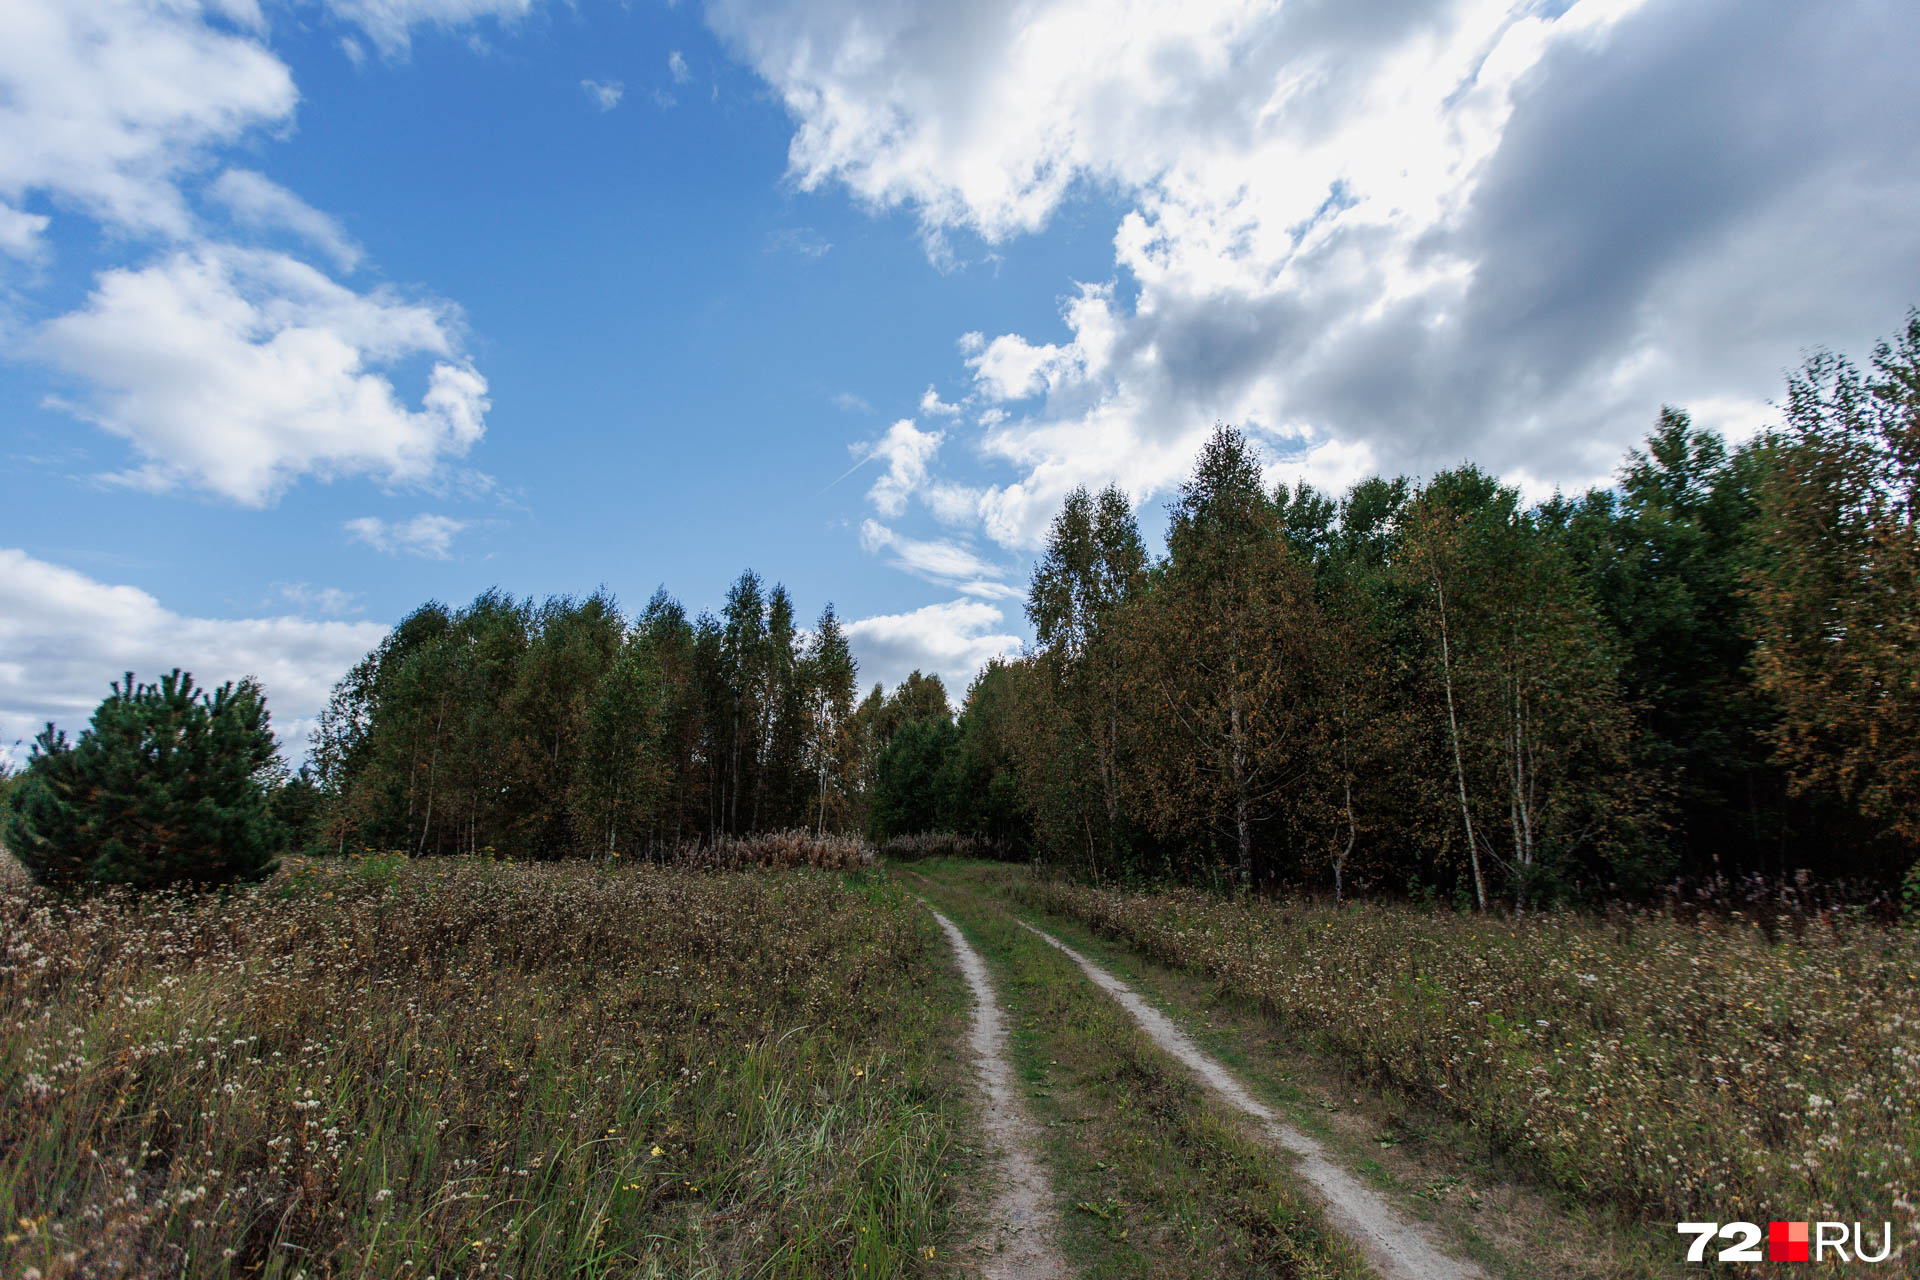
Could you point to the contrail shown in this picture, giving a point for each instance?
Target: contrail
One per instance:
(849, 471)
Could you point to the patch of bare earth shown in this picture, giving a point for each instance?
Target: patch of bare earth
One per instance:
(1396, 1246)
(1020, 1225)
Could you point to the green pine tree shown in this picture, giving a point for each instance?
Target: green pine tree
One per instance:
(163, 788)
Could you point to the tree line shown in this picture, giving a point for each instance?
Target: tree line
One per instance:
(1705, 669)
(1709, 669)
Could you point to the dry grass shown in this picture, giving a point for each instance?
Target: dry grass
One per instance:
(782, 849)
(1676, 1070)
(375, 1068)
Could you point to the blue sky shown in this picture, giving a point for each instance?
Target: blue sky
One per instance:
(314, 311)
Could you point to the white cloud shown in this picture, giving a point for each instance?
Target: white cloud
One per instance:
(103, 105)
(428, 536)
(937, 560)
(256, 201)
(677, 67)
(804, 242)
(906, 450)
(64, 638)
(930, 402)
(955, 639)
(850, 402)
(238, 371)
(20, 231)
(605, 95)
(389, 23)
(1384, 236)
(330, 601)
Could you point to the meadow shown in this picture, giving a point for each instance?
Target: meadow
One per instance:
(1675, 1069)
(376, 1067)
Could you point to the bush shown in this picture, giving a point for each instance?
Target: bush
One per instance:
(163, 788)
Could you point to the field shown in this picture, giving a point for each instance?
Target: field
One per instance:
(375, 1068)
(384, 1068)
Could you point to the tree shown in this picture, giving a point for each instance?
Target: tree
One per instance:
(1093, 565)
(979, 790)
(1228, 645)
(906, 795)
(1837, 587)
(296, 802)
(619, 785)
(830, 676)
(1535, 729)
(163, 788)
(1664, 556)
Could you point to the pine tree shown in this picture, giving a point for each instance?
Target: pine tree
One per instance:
(163, 788)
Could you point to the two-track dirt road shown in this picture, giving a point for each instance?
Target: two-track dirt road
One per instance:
(1019, 1239)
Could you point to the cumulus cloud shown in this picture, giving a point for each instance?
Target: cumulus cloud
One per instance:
(256, 201)
(238, 371)
(930, 402)
(906, 450)
(106, 104)
(604, 94)
(954, 639)
(1385, 236)
(66, 637)
(428, 536)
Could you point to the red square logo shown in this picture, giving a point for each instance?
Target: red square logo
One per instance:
(1787, 1242)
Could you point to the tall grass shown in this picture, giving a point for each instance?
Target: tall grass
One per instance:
(463, 1069)
(1680, 1071)
(792, 848)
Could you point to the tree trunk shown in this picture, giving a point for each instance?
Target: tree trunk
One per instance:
(1453, 732)
(1340, 863)
(1242, 834)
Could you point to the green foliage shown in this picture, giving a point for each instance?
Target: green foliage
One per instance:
(556, 728)
(1664, 557)
(296, 803)
(163, 788)
(906, 793)
(1835, 586)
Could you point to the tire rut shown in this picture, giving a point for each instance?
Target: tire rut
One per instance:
(1021, 1223)
(1396, 1246)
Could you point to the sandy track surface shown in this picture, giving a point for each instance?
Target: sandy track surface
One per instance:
(1396, 1246)
(1021, 1224)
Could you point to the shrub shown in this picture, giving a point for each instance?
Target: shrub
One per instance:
(163, 788)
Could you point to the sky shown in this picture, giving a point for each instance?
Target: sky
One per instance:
(314, 311)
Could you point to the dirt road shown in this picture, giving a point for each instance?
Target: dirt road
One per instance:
(1021, 1225)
